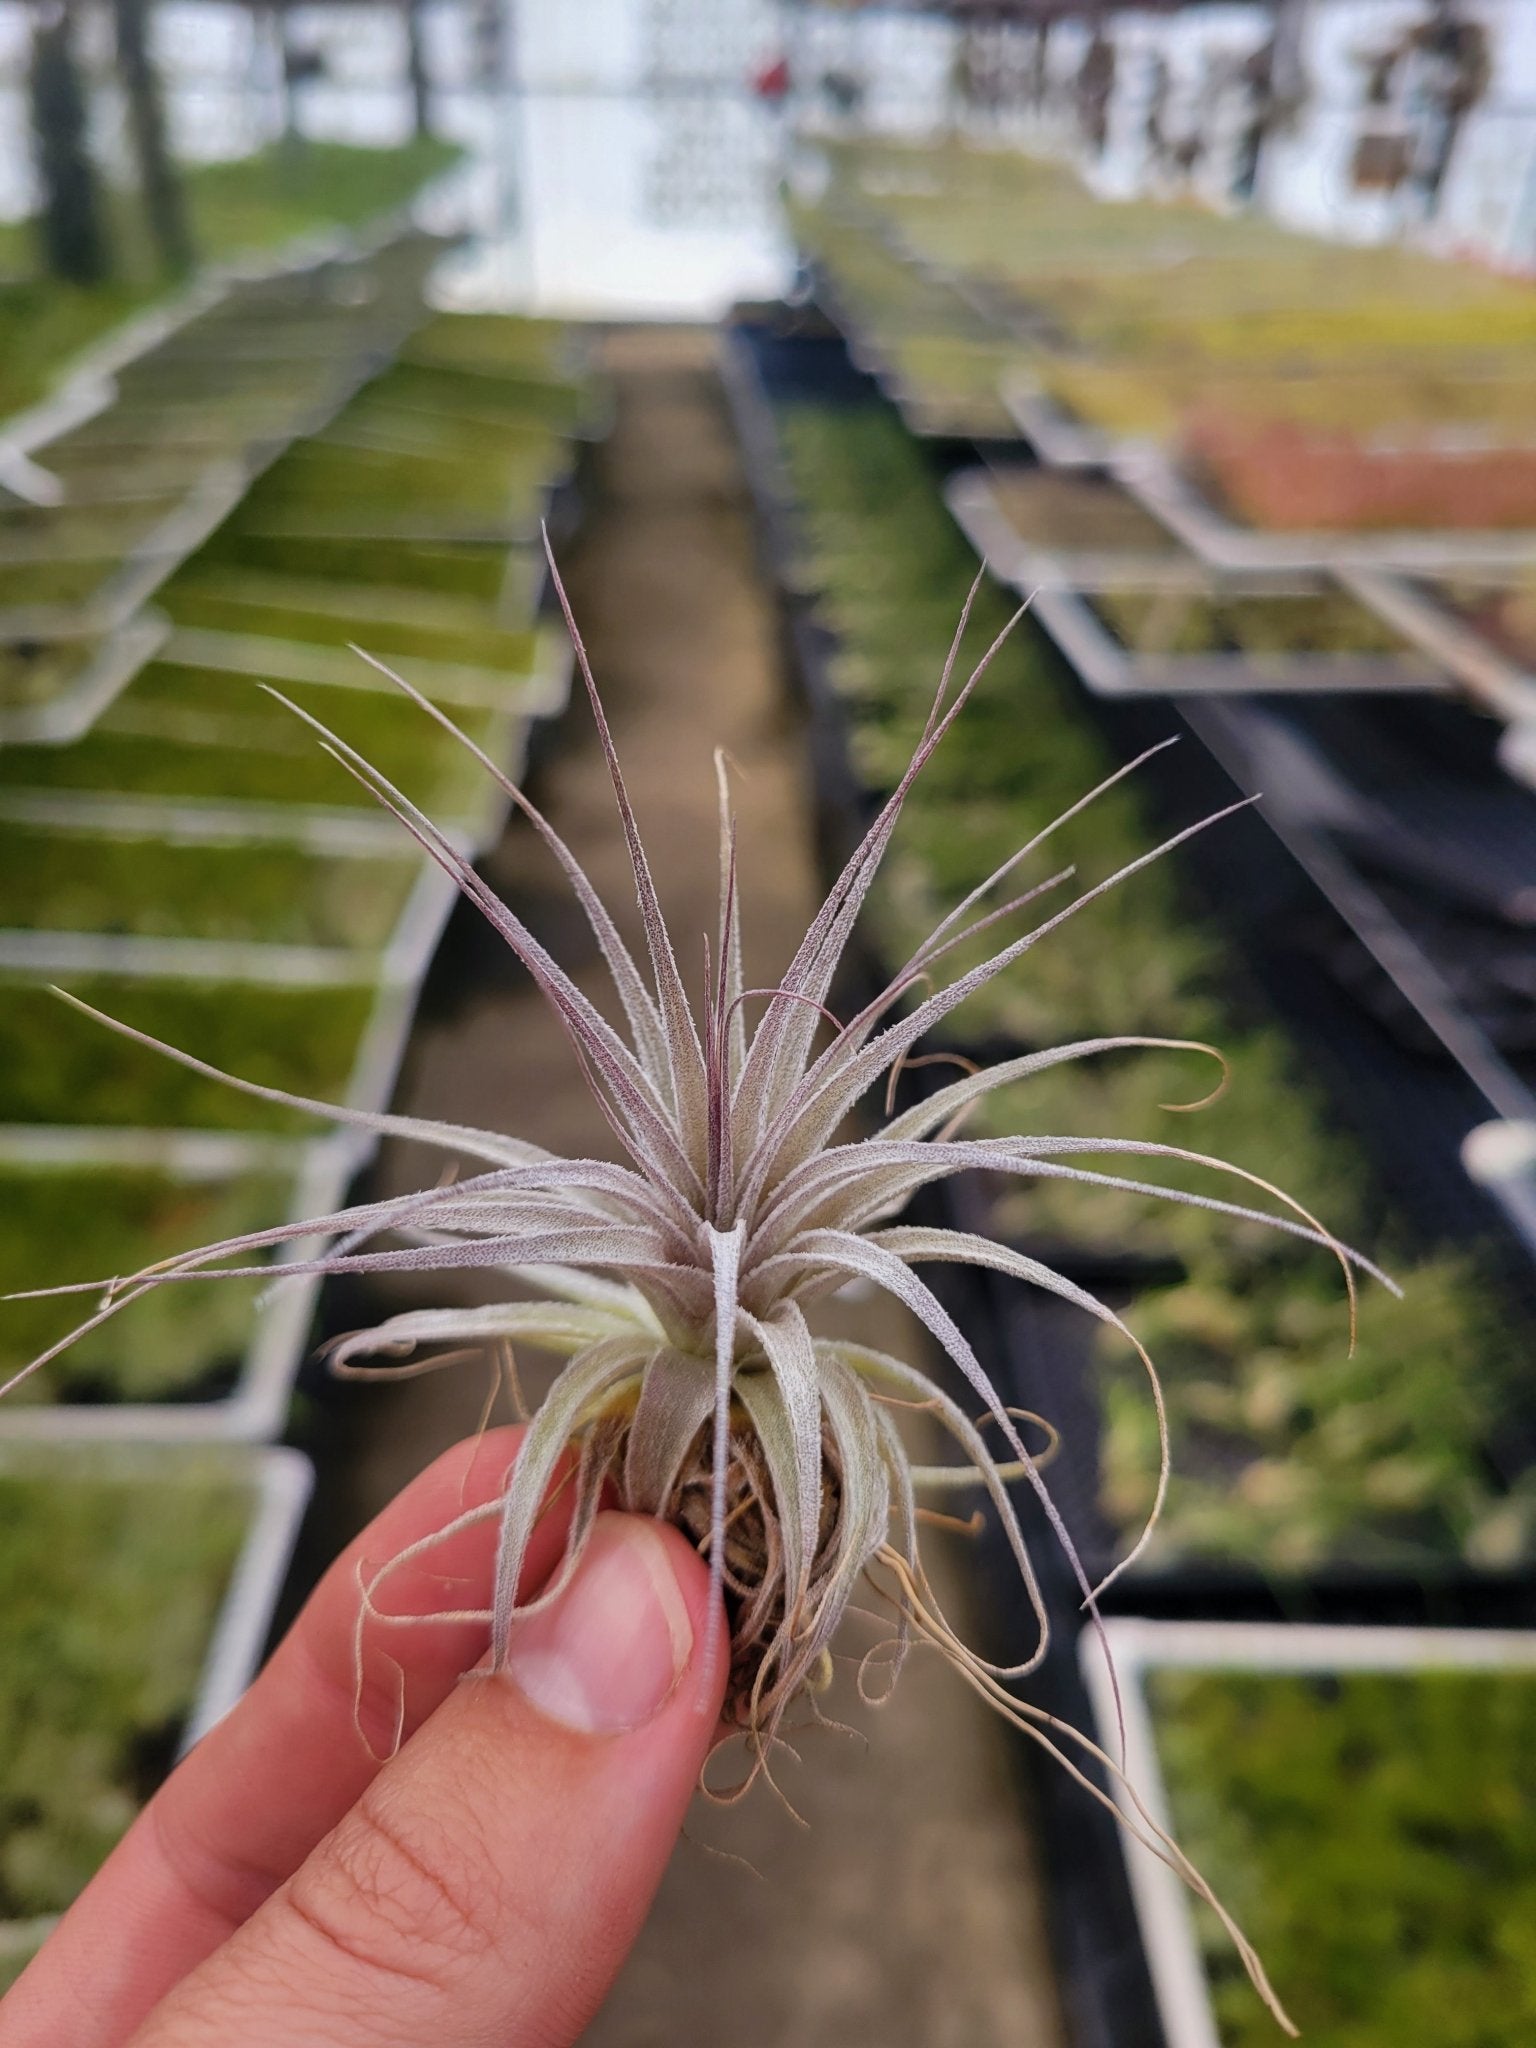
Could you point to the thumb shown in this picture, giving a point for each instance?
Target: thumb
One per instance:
(489, 1882)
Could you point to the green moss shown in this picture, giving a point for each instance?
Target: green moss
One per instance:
(188, 733)
(1286, 1452)
(504, 345)
(1181, 622)
(67, 1223)
(1371, 1832)
(67, 581)
(58, 1067)
(336, 602)
(1293, 1454)
(449, 405)
(472, 570)
(324, 482)
(108, 1594)
(79, 882)
(442, 632)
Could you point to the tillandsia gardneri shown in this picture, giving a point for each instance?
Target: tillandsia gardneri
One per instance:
(676, 1279)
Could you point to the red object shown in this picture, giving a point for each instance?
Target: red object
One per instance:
(772, 82)
(1284, 476)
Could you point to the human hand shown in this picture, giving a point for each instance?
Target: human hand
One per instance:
(484, 1885)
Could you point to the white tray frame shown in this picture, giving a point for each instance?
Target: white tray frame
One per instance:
(1162, 1903)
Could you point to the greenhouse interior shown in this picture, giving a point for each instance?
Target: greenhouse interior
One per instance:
(768, 1023)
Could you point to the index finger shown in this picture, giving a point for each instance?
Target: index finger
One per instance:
(250, 1802)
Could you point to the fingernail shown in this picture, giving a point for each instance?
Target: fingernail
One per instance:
(607, 1655)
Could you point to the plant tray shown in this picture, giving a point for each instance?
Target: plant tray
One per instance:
(339, 1044)
(306, 827)
(176, 738)
(94, 479)
(1078, 622)
(52, 690)
(1249, 1742)
(342, 609)
(1223, 542)
(491, 573)
(62, 533)
(120, 885)
(44, 637)
(395, 926)
(1044, 529)
(502, 671)
(1306, 1478)
(200, 1362)
(437, 396)
(169, 1562)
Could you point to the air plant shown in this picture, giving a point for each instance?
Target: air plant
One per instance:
(676, 1280)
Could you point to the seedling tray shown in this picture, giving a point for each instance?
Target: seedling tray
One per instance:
(1079, 622)
(309, 828)
(118, 884)
(95, 478)
(494, 573)
(91, 600)
(1169, 493)
(937, 408)
(336, 1043)
(376, 430)
(526, 690)
(53, 694)
(1363, 1723)
(199, 1362)
(472, 664)
(35, 591)
(233, 821)
(50, 690)
(1044, 529)
(169, 1562)
(44, 533)
(176, 737)
(343, 610)
(434, 394)
(500, 346)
